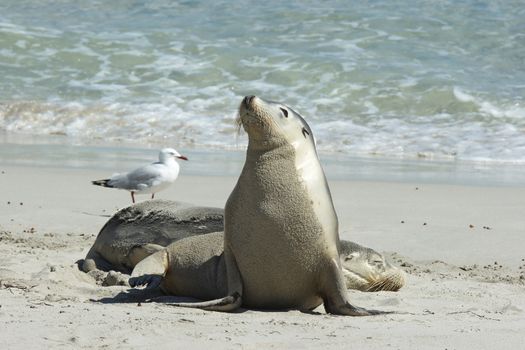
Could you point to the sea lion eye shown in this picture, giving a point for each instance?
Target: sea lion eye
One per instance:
(285, 112)
(305, 132)
(350, 256)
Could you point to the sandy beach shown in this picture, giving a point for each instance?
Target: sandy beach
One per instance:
(461, 246)
(416, 109)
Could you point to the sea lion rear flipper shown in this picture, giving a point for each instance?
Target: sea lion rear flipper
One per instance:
(335, 295)
(226, 304)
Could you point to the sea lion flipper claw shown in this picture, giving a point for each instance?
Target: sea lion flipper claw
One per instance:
(150, 271)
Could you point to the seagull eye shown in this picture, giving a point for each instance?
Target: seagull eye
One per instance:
(285, 112)
(305, 132)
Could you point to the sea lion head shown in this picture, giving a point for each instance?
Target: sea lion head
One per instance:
(272, 124)
(367, 270)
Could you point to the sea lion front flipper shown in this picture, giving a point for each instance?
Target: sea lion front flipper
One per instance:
(335, 296)
(150, 271)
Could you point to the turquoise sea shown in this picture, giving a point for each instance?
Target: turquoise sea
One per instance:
(422, 87)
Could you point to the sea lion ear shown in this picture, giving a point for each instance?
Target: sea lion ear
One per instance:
(305, 132)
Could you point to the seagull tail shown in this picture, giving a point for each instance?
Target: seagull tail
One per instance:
(103, 183)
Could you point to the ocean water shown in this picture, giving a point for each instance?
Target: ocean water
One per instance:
(439, 80)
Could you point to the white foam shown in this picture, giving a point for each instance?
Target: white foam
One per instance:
(514, 111)
(369, 81)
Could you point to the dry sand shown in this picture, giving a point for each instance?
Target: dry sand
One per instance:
(462, 247)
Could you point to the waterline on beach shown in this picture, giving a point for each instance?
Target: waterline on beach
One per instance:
(55, 151)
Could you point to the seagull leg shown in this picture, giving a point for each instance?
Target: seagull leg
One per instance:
(133, 197)
(152, 195)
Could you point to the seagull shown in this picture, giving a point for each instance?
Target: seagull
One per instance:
(150, 178)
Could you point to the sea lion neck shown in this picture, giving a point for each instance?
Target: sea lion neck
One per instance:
(260, 146)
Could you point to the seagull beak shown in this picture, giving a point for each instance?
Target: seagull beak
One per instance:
(182, 157)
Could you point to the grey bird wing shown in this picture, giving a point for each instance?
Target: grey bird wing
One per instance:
(140, 178)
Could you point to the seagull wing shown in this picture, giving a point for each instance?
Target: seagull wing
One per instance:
(138, 179)
(146, 176)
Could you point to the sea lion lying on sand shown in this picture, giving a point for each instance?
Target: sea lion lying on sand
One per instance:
(137, 231)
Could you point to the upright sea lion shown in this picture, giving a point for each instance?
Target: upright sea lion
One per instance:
(281, 242)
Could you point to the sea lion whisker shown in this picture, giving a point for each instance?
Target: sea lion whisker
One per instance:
(238, 123)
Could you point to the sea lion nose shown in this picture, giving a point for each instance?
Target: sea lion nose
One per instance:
(248, 100)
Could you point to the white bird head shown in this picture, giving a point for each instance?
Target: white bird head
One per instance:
(167, 153)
